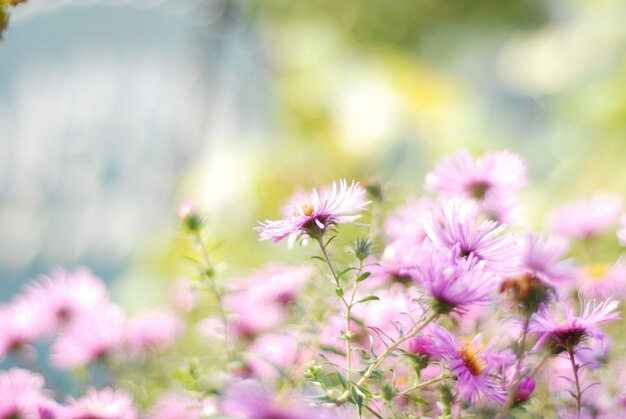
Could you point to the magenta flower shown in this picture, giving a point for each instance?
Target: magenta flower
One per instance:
(543, 259)
(103, 404)
(151, 332)
(454, 283)
(176, 406)
(525, 388)
(21, 323)
(470, 365)
(462, 175)
(586, 218)
(565, 333)
(94, 335)
(64, 295)
(313, 216)
(22, 394)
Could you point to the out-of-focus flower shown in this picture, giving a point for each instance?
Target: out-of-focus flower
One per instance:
(176, 406)
(453, 283)
(471, 365)
(320, 210)
(21, 323)
(604, 281)
(271, 354)
(621, 234)
(565, 333)
(189, 215)
(94, 335)
(396, 263)
(490, 180)
(63, 296)
(152, 331)
(103, 404)
(588, 217)
(453, 225)
(22, 394)
(596, 352)
(525, 388)
(250, 399)
(407, 222)
(183, 295)
(543, 259)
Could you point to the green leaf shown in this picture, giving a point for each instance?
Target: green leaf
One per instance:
(363, 276)
(368, 298)
(357, 399)
(339, 292)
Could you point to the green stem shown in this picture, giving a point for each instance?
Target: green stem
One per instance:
(424, 384)
(521, 350)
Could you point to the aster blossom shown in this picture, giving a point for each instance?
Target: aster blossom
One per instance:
(313, 215)
(566, 332)
(588, 217)
(542, 257)
(103, 404)
(470, 364)
(453, 224)
(22, 394)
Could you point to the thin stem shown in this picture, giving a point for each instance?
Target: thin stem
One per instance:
(414, 331)
(521, 351)
(575, 369)
(424, 384)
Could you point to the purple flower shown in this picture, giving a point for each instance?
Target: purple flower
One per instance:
(470, 365)
(565, 333)
(313, 215)
(462, 175)
(453, 225)
(407, 222)
(454, 283)
(525, 388)
(586, 218)
(542, 258)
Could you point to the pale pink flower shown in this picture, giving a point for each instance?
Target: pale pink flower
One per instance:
(184, 296)
(22, 394)
(396, 263)
(543, 259)
(94, 335)
(152, 331)
(407, 222)
(273, 354)
(453, 224)
(185, 209)
(21, 323)
(589, 217)
(176, 406)
(65, 295)
(103, 404)
(621, 234)
(313, 216)
(603, 281)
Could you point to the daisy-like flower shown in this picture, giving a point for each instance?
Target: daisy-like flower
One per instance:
(22, 394)
(94, 335)
(586, 218)
(543, 259)
(176, 406)
(313, 215)
(407, 222)
(270, 354)
(471, 365)
(64, 295)
(453, 225)
(621, 234)
(565, 333)
(103, 404)
(152, 331)
(460, 174)
(454, 283)
(21, 322)
(603, 281)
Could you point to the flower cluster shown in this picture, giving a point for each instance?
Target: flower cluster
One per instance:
(450, 307)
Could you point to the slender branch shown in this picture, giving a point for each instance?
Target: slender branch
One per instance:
(575, 368)
(424, 384)
(521, 351)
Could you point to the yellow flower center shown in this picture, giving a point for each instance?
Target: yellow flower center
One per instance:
(475, 364)
(597, 272)
(306, 209)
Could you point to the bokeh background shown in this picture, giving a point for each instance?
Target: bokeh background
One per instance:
(114, 111)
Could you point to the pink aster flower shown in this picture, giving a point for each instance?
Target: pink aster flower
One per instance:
(603, 281)
(184, 295)
(471, 365)
(176, 406)
(250, 399)
(271, 354)
(65, 295)
(21, 323)
(396, 263)
(103, 404)
(489, 180)
(22, 394)
(313, 216)
(589, 217)
(453, 224)
(95, 334)
(566, 332)
(621, 234)
(152, 331)
(407, 222)
(543, 259)
(461, 174)
(453, 283)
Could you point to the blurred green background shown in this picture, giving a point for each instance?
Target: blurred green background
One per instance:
(112, 112)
